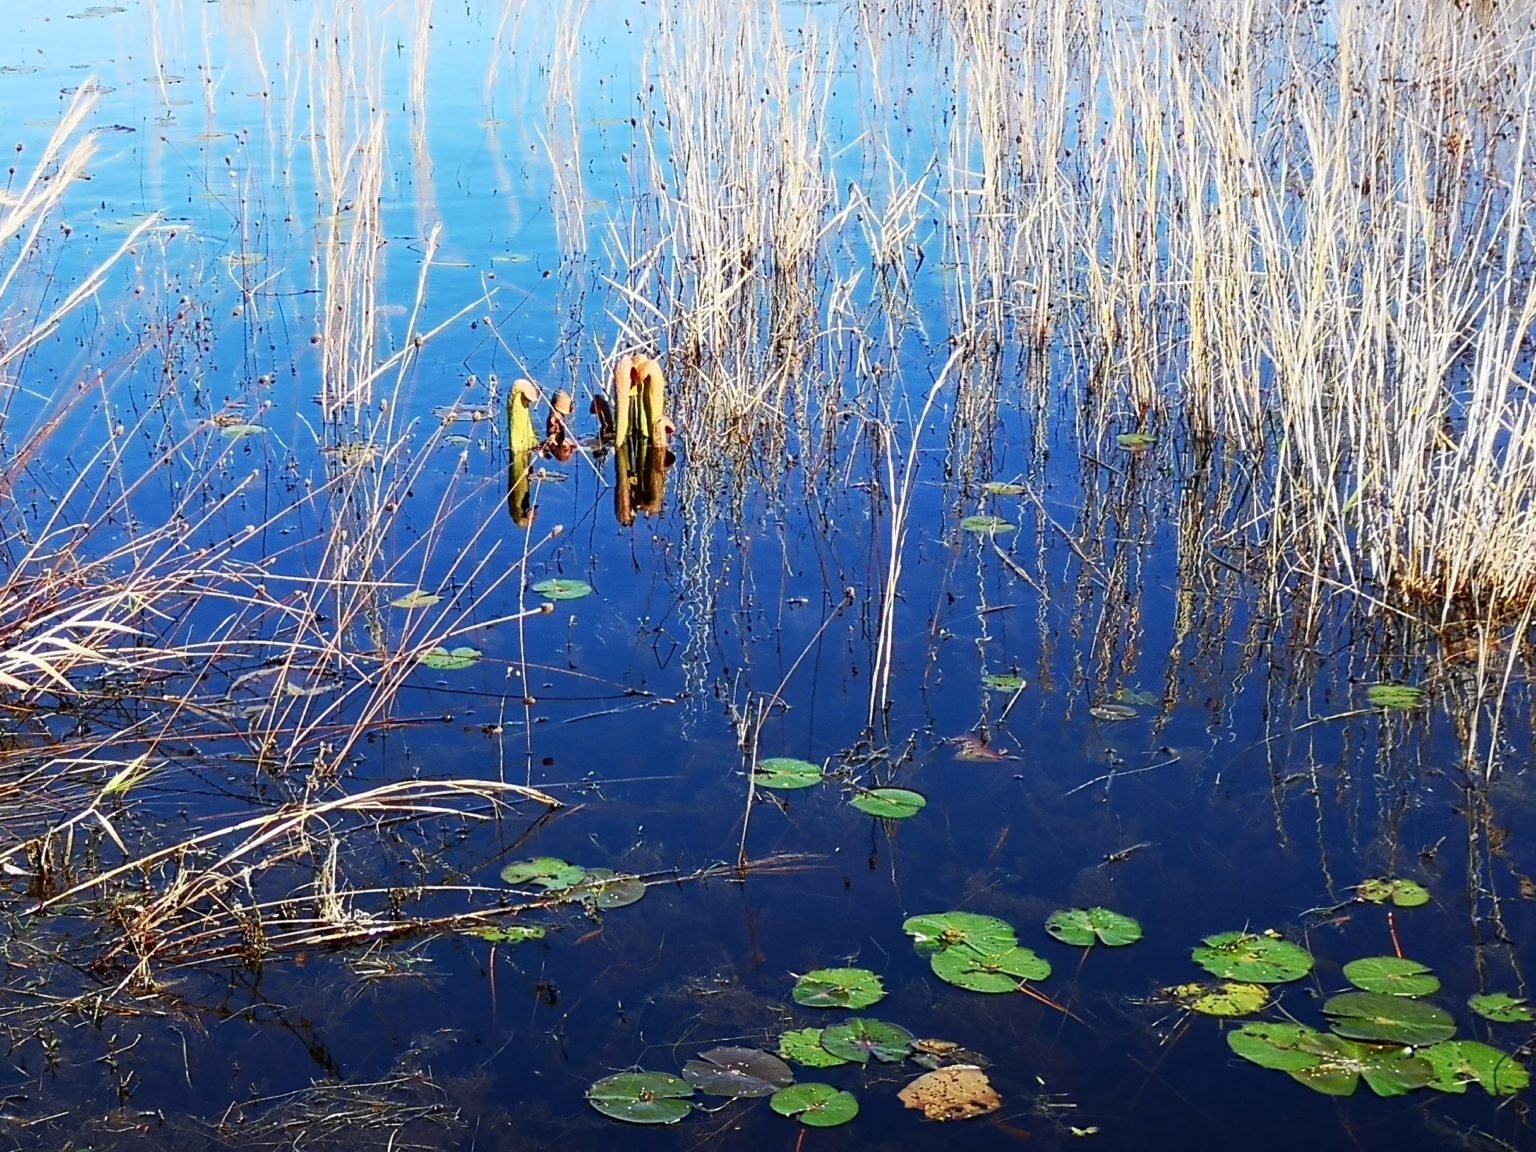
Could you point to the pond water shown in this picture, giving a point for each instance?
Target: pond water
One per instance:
(921, 526)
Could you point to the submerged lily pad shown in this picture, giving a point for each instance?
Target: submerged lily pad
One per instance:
(933, 931)
(976, 971)
(1084, 926)
(1004, 682)
(1391, 1019)
(859, 1040)
(839, 988)
(1458, 1063)
(416, 599)
(815, 1105)
(786, 772)
(1396, 697)
(1253, 958)
(1392, 975)
(1228, 998)
(890, 803)
(642, 1097)
(1003, 488)
(546, 871)
(958, 1092)
(1402, 893)
(563, 589)
(1135, 441)
(607, 890)
(987, 523)
(1500, 1007)
(1145, 697)
(241, 431)
(448, 660)
(803, 1046)
(737, 1072)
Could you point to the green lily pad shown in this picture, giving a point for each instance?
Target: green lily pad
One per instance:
(241, 431)
(1003, 488)
(803, 1046)
(1392, 975)
(606, 889)
(987, 524)
(1402, 893)
(737, 1072)
(839, 988)
(1389, 1019)
(642, 1097)
(1141, 696)
(858, 1040)
(976, 971)
(1281, 1046)
(546, 871)
(890, 803)
(786, 772)
(1004, 682)
(563, 589)
(933, 931)
(446, 660)
(1396, 697)
(1229, 998)
(1252, 958)
(1135, 440)
(1500, 1007)
(1458, 1063)
(416, 599)
(815, 1105)
(1328, 1064)
(1084, 926)
(511, 934)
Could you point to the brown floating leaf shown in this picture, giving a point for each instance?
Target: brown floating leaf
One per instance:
(959, 1092)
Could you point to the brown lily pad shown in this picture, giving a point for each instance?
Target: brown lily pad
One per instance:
(959, 1092)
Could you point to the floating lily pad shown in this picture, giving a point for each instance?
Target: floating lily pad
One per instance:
(1403, 893)
(933, 931)
(976, 971)
(607, 889)
(859, 1040)
(786, 772)
(563, 589)
(511, 934)
(1135, 441)
(1229, 998)
(1004, 682)
(737, 1072)
(1392, 975)
(1252, 958)
(1389, 1019)
(988, 524)
(1396, 697)
(449, 660)
(1281, 1046)
(1145, 698)
(890, 803)
(1084, 926)
(839, 988)
(546, 871)
(416, 599)
(803, 1046)
(1500, 1007)
(241, 431)
(1003, 488)
(1328, 1064)
(642, 1097)
(959, 1092)
(1112, 712)
(815, 1105)
(1458, 1063)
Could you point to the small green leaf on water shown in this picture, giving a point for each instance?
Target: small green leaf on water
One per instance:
(1397, 697)
(563, 589)
(1392, 975)
(416, 599)
(1003, 488)
(512, 934)
(1253, 958)
(786, 772)
(859, 1040)
(933, 931)
(1228, 998)
(1003, 682)
(1134, 441)
(1388, 1019)
(815, 1105)
(737, 1072)
(803, 1046)
(240, 431)
(1500, 1007)
(993, 972)
(546, 871)
(1145, 698)
(1458, 1063)
(987, 523)
(606, 889)
(890, 803)
(1084, 926)
(839, 988)
(642, 1097)
(446, 660)
(1403, 893)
